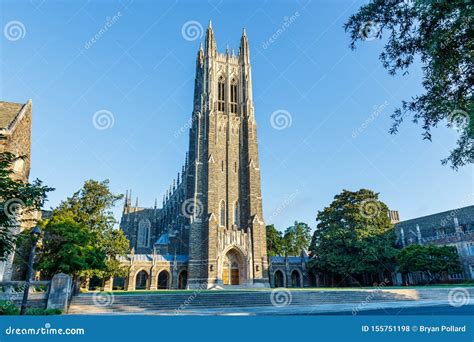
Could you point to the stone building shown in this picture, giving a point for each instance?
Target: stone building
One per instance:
(15, 137)
(291, 271)
(449, 228)
(211, 223)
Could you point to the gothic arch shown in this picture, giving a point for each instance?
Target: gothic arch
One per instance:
(279, 278)
(183, 279)
(234, 95)
(234, 266)
(296, 278)
(141, 280)
(163, 280)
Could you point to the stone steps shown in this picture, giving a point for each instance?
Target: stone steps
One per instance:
(166, 302)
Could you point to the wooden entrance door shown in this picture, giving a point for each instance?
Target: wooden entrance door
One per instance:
(225, 276)
(235, 276)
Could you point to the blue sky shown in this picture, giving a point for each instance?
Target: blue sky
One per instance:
(141, 70)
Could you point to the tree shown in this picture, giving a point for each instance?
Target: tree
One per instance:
(296, 238)
(17, 200)
(90, 208)
(274, 241)
(354, 236)
(440, 34)
(69, 247)
(431, 259)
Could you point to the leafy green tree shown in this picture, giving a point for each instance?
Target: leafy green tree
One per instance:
(354, 236)
(296, 238)
(90, 208)
(69, 247)
(274, 241)
(430, 259)
(16, 197)
(439, 34)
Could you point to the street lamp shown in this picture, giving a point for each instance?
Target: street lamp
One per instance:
(35, 234)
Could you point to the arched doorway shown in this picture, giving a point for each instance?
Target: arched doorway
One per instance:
(163, 280)
(141, 280)
(183, 280)
(295, 279)
(278, 279)
(233, 268)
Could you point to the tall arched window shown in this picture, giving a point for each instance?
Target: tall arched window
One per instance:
(144, 233)
(221, 94)
(233, 96)
(236, 213)
(222, 214)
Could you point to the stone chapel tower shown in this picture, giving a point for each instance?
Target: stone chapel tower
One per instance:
(227, 238)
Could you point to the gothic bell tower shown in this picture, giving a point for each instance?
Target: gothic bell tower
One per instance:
(227, 238)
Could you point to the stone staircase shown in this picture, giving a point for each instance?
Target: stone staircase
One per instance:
(241, 300)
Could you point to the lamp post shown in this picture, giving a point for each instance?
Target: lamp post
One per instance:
(35, 233)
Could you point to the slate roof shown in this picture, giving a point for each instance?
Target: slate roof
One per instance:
(429, 224)
(159, 257)
(291, 259)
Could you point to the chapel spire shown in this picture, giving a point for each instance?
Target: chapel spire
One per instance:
(244, 52)
(210, 45)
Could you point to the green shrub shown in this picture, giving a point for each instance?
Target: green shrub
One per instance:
(8, 308)
(43, 312)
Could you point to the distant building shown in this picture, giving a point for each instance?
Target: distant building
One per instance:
(15, 137)
(449, 228)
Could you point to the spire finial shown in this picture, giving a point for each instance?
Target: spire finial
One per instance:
(244, 32)
(210, 24)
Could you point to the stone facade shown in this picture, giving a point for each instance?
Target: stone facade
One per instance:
(291, 271)
(213, 214)
(15, 137)
(450, 228)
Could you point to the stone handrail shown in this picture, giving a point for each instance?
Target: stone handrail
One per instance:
(16, 287)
